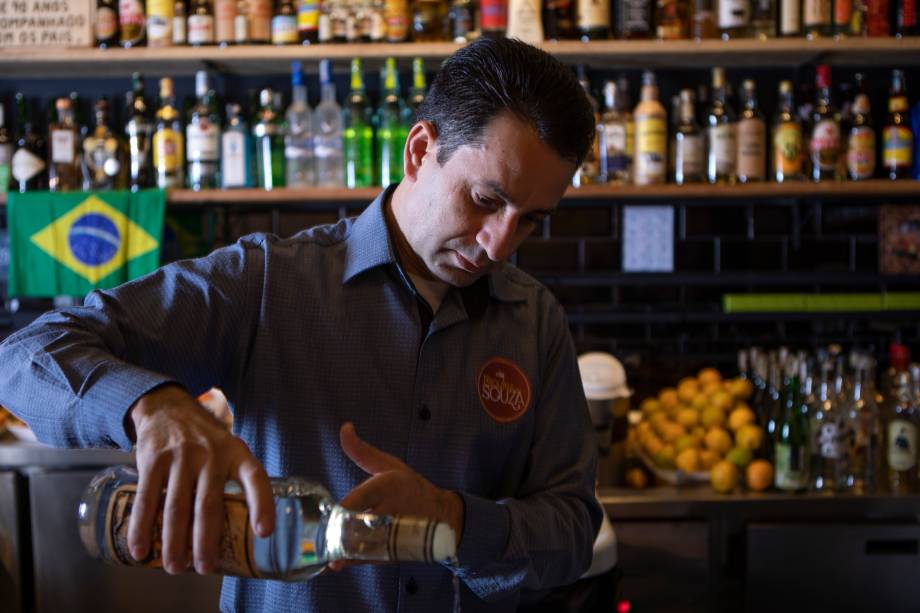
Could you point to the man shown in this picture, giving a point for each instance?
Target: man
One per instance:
(404, 325)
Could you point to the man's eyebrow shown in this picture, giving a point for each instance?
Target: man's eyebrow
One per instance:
(496, 187)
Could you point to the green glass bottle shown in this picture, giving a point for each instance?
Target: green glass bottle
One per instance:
(418, 90)
(268, 137)
(392, 129)
(358, 136)
(792, 442)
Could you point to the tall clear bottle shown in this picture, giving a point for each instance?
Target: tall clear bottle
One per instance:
(828, 426)
(392, 128)
(298, 137)
(138, 132)
(688, 146)
(825, 143)
(268, 138)
(327, 132)
(752, 137)
(202, 137)
(862, 413)
(64, 172)
(168, 140)
(236, 150)
(788, 147)
(311, 530)
(650, 162)
(614, 130)
(901, 423)
(721, 133)
(104, 165)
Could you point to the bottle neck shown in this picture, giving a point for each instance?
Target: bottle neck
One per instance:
(328, 92)
(300, 95)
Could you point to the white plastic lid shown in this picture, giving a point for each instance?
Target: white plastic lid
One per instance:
(444, 543)
(603, 376)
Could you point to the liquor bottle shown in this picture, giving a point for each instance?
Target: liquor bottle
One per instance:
(559, 19)
(901, 436)
(824, 145)
(722, 158)
(593, 19)
(160, 15)
(311, 530)
(168, 141)
(704, 20)
(688, 145)
(298, 139)
(429, 20)
(523, 21)
(905, 23)
(64, 151)
(417, 91)
(650, 159)
(180, 24)
(28, 162)
(493, 17)
(358, 133)
(137, 132)
(132, 22)
(590, 170)
(225, 16)
(462, 18)
(843, 17)
(634, 19)
(327, 132)
(734, 18)
(392, 129)
(201, 24)
(752, 137)
(816, 18)
(773, 403)
(396, 18)
(791, 455)
(260, 21)
(862, 414)
(235, 150)
(861, 140)
(790, 18)
(788, 155)
(308, 21)
(103, 153)
(615, 153)
(6, 152)
(671, 19)
(828, 435)
(105, 25)
(202, 137)
(268, 137)
(284, 24)
(763, 18)
(897, 137)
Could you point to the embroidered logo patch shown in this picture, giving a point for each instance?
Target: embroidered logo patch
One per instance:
(503, 389)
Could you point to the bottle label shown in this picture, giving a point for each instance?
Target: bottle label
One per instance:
(25, 165)
(651, 145)
(62, 146)
(524, 21)
(897, 104)
(902, 445)
(308, 16)
(897, 147)
(159, 22)
(101, 158)
(817, 13)
(752, 151)
(688, 155)
(236, 538)
(861, 152)
(225, 21)
(284, 30)
(106, 23)
(260, 20)
(200, 29)
(167, 151)
(829, 441)
(233, 157)
(202, 141)
(593, 14)
(132, 20)
(790, 18)
(734, 13)
(825, 144)
(636, 17)
(843, 13)
(907, 14)
(791, 467)
(616, 148)
(723, 142)
(787, 149)
(179, 32)
(493, 15)
(396, 16)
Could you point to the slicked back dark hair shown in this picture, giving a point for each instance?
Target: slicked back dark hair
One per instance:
(495, 75)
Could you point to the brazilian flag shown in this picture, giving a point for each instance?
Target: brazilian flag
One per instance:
(71, 243)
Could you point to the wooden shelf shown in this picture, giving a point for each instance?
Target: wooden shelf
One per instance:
(876, 189)
(266, 59)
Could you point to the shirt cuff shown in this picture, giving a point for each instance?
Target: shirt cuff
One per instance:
(114, 394)
(486, 527)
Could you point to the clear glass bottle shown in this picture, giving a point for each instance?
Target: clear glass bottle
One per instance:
(901, 422)
(104, 164)
(236, 150)
(64, 173)
(751, 136)
(650, 163)
(202, 137)
(311, 531)
(825, 142)
(268, 137)
(137, 132)
(791, 455)
(828, 426)
(721, 134)
(392, 129)
(773, 402)
(327, 132)
(27, 165)
(862, 413)
(358, 133)
(788, 150)
(298, 137)
(615, 153)
(688, 145)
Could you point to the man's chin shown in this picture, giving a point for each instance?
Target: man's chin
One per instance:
(459, 277)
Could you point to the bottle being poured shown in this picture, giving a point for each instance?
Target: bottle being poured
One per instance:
(311, 531)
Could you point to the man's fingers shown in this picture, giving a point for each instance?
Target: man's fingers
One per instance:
(250, 474)
(367, 496)
(369, 458)
(151, 481)
(209, 510)
(177, 515)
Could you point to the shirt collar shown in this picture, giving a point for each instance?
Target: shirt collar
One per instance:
(369, 245)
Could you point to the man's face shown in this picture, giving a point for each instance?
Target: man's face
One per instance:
(462, 218)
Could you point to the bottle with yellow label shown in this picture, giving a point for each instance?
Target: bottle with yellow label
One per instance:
(168, 141)
(160, 14)
(650, 161)
(897, 137)
(787, 138)
(861, 140)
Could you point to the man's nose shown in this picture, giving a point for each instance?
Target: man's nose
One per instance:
(498, 237)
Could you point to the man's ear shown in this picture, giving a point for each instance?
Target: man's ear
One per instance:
(422, 142)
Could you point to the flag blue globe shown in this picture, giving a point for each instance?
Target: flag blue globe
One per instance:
(93, 239)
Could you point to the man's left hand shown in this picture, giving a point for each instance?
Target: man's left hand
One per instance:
(395, 489)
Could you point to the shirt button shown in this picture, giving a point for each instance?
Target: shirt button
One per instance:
(423, 413)
(411, 586)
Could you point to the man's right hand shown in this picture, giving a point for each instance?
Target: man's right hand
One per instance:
(186, 452)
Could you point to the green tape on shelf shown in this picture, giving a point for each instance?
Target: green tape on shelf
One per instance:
(823, 303)
(760, 303)
(901, 301)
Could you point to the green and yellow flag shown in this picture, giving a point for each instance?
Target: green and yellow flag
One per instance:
(71, 243)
